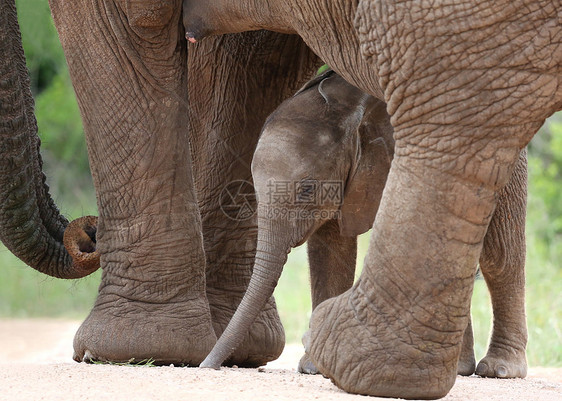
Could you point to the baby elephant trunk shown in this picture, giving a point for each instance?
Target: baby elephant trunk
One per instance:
(272, 249)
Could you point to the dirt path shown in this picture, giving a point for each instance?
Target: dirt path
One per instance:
(35, 364)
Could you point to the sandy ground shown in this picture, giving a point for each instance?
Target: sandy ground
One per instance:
(35, 364)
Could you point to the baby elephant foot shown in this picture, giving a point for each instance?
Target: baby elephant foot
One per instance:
(466, 366)
(467, 361)
(366, 352)
(503, 365)
(169, 333)
(306, 366)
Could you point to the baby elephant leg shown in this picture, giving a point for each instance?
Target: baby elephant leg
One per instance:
(503, 265)
(467, 362)
(332, 260)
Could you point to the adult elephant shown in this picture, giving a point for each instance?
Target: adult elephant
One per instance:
(467, 86)
(494, 70)
(172, 275)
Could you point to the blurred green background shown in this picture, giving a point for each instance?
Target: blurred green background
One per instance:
(25, 293)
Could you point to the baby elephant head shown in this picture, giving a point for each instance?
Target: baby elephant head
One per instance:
(323, 155)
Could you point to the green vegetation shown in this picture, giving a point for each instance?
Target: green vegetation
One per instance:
(26, 293)
(132, 363)
(23, 291)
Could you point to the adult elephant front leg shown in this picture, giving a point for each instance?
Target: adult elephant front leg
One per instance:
(408, 312)
(398, 331)
(128, 67)
(235, 82)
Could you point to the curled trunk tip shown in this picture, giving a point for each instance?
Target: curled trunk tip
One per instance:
(31, 226)
(80, 242)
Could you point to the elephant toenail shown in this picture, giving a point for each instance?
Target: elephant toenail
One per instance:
(308, 368)
(481, 369)
(502, 371)
(88, 357)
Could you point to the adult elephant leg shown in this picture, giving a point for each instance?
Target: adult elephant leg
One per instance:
(409, 309)
(398, 331)
(235, 82)
(31, 226)
(503, 265)
(331, 258)
(128, 67)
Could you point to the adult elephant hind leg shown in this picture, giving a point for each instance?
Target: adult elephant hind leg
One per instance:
(331, 259)
(151, 302)
(503, 266)
(242, 92)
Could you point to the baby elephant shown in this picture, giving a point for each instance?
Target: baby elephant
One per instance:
(319, 171)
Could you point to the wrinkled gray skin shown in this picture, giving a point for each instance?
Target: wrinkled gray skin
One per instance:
(329, 139)
(331, 132)
(467, 86)
(174, 266)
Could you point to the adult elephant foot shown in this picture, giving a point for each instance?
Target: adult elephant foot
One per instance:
(118, 330)
(151, 305)
(369, 360)
(398, 331)
(502, 363)
(306, 366)
(265, 339)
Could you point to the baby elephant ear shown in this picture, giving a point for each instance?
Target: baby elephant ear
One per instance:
(316, 80)
(365, 185)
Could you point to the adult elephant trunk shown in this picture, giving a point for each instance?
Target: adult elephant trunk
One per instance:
(275, 240)
(31, 226)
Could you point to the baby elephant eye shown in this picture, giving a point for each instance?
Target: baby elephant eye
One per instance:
(306, 191)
